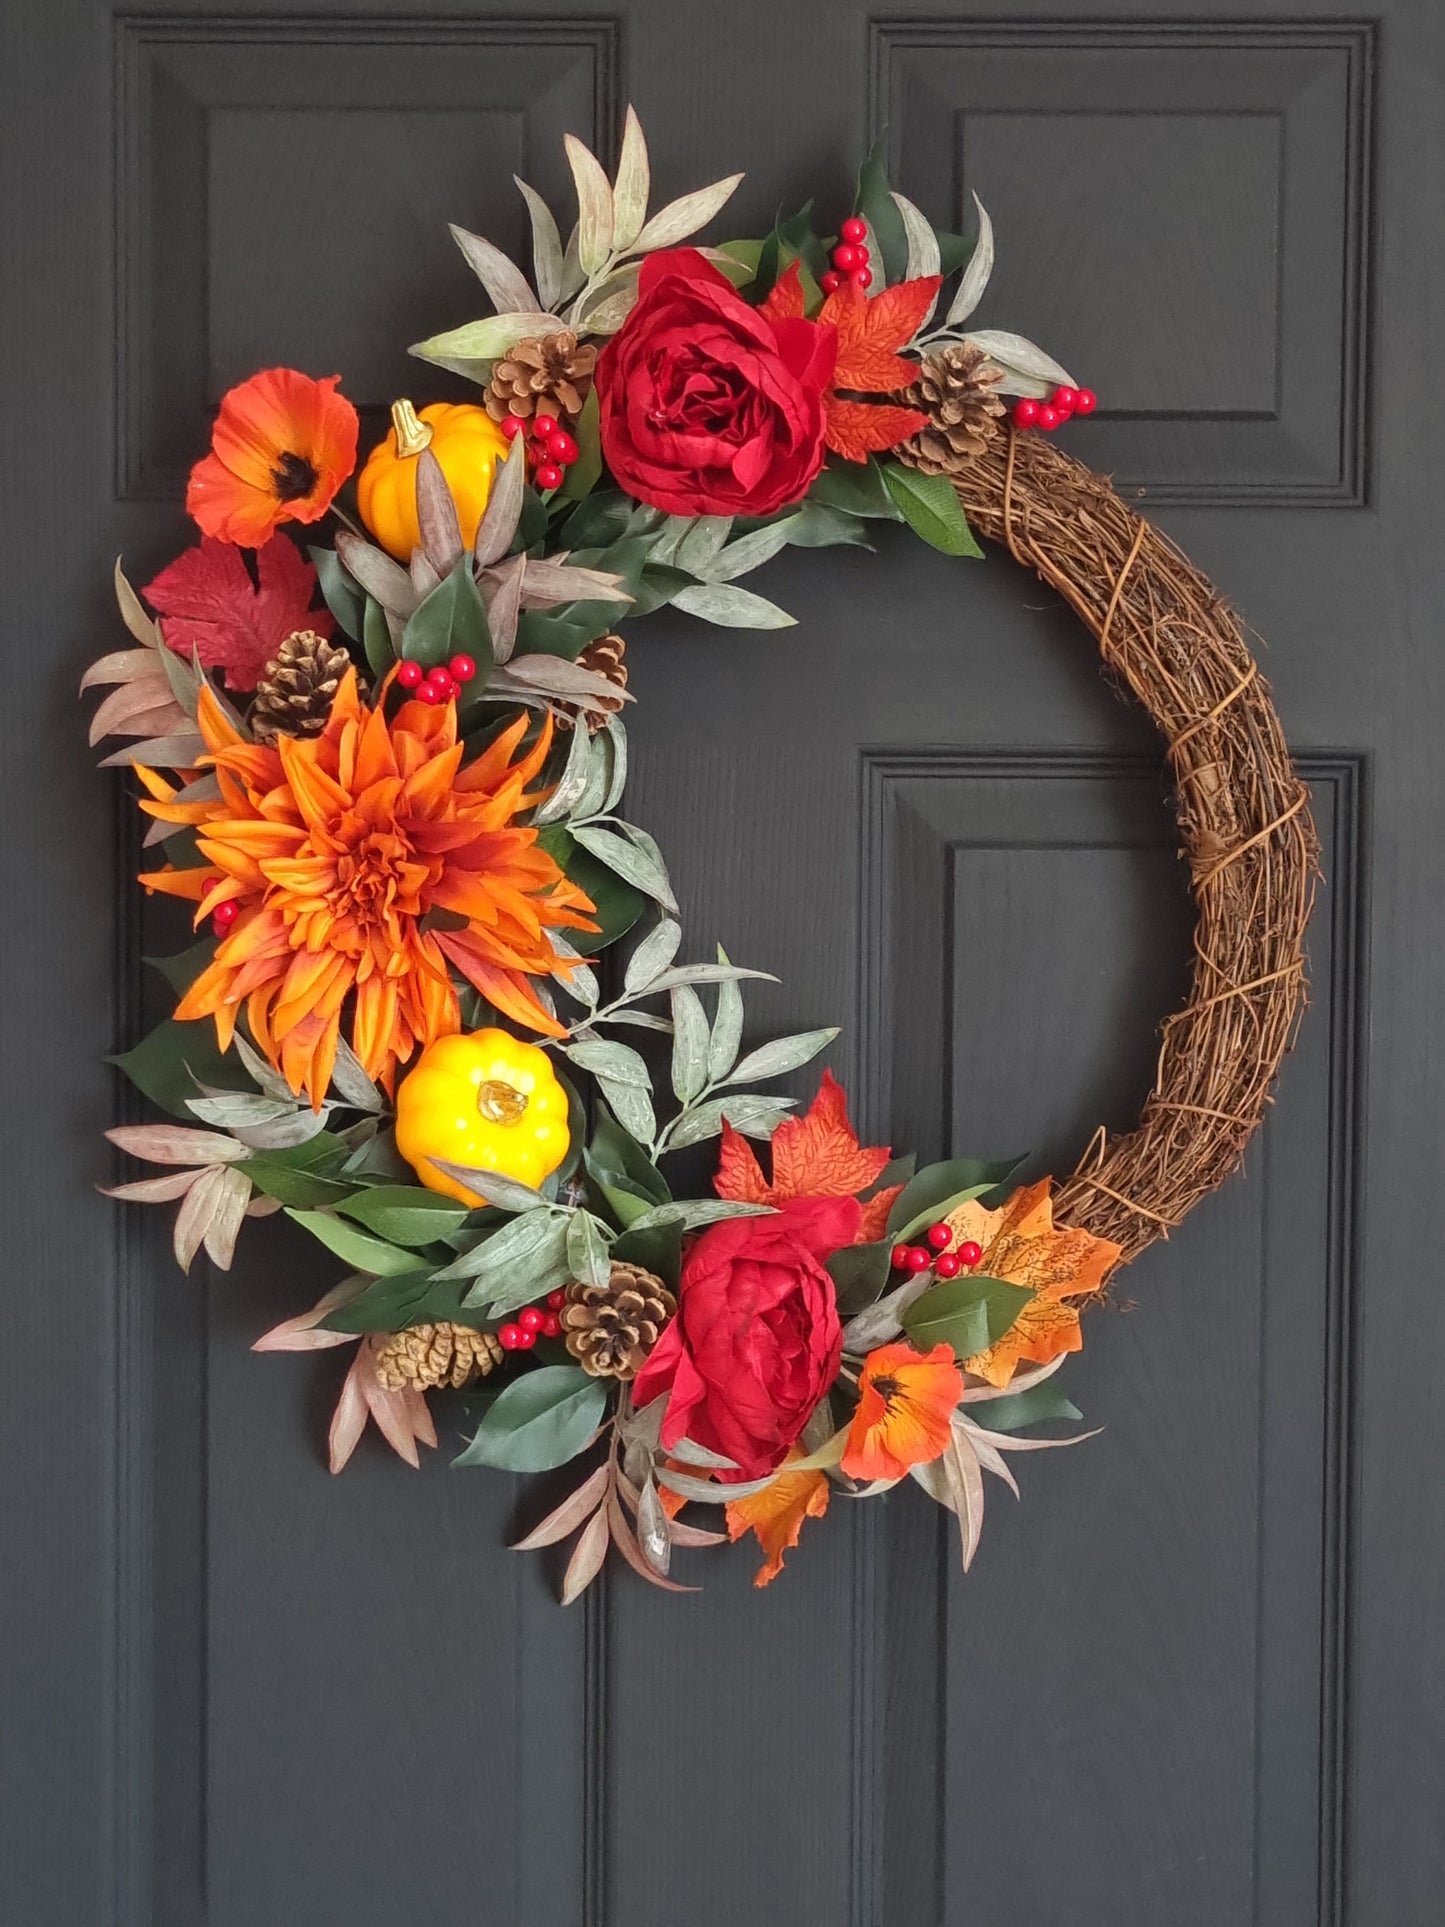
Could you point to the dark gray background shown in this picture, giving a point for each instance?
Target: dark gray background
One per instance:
(1193, 1681)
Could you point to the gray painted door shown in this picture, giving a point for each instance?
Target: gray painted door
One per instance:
(1195, 1677)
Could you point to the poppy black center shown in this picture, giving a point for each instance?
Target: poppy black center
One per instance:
(292, 477)
(886, 1388)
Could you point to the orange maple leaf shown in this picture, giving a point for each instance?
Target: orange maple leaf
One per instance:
(814, 1156)
(1020, 1243)
(776, 1514)
(857, 429)
(785, 300)
(872, 328)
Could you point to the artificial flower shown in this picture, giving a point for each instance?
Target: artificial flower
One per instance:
(776, 1514)
(207, 603)
(1021, 1245)
(281, 447)
(337, 850)
(869, 330)
(757, 1340)
(814, 1156)
(710, 406)
(906, 1401)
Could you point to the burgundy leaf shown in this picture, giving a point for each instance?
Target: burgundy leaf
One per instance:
(208, 603)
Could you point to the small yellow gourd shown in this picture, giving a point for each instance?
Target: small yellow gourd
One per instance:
(486, 1100)
(466, 442)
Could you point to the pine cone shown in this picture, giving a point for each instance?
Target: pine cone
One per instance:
(611, 1328)
(542, 375)
(604, 658)
(955, 389)
(295, 695)
(428, 1355)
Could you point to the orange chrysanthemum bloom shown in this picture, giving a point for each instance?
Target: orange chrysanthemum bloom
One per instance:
(905, 1409)
(337, 850)
(282, 446)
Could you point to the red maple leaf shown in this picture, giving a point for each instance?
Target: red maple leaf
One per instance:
(872, 328)
(814, 1156)
(207, 602)
(857, 429)
(785, 301)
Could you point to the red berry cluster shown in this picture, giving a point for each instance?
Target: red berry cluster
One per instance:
(550, 452)
(533, 1323)
(850, 257)
(437, 685)
(1064, 402)
(936, 1254)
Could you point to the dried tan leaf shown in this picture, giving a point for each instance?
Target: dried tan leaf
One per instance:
(567, 1516)
(132, 612)
(176, 1144)
(587, 1557)
(233, 1194)
(153, 1190)
(123, 665)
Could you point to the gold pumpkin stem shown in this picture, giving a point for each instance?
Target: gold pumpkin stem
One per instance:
(412, 433)
(501, 1103)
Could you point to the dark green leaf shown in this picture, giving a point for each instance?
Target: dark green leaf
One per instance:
(343, 594)
(451, 621)
(357, 1248)
(970, 1314)
(182, 970)
(541, 1420)
(410, 1298)
(171, 1063)
(876, 204)
(405, 1214)
(657, 585)
(601, 519)
(582, 476)
(1012, 1413)
(566, 631)
(376, 639)
(953, 252)
(855, 488)
(931, 508)
(816, 526)
(860, 1272)
(306, 1190)
(657, 1248)
(619, 1159)
(922, 1198)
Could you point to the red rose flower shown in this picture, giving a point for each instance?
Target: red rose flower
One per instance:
(756, 1341)
(708, 406)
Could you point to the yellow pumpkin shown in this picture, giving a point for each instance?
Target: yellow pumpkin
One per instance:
(486, 1100)
(467, 443)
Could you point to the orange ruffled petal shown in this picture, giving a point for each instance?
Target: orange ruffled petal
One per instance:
(905, 1408)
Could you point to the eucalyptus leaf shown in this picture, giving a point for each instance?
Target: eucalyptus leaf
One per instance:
(471, 349)
(976, 275)
(515, 1243)
(541, 1420)
(1023, 357)
(507, 1194)
(633, 1108)
(351, 1083)
(503, 280)
(751, 1113)
(684, 216)
(652, 955)
(729, 607)
(690, 1034)
(594, 205)
(784, 1054)
(702, 543)
(702, 973)
(692, 1214)
(923, 250)
(571, 783)
(633, 185)
(588, 1257)
(727, 1025)
(605, 1057)
(625, 859)
(546, 245)
(707, 1491)
(241, 1107)
(282, 1133)
(751, 551)
(614, 732)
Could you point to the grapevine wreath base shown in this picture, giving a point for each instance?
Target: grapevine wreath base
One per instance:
(434, 1009)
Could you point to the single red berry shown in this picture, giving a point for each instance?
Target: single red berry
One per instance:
(562, 448)
(512, 426)
(531, 1319)
(409, 674)
(509, 1337)
(556, 1299)
(1066, 400)
(855, 228)
(551, 1325)
(525, 1339)
(900, 1257)
(227, 910)
(549, 476)
(544, 426)
(919, 1258)
(846, 257)
(969, 1253)
(461, 669)
(862, 277)
(1026, 412)
(427, 692)
(940, 1235)
(440, 680)
(1085, 402)
(1047, 418)
(947, 1264)
(831, 281)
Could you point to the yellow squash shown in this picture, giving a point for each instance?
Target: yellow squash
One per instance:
(466, 442)
(484, 1099)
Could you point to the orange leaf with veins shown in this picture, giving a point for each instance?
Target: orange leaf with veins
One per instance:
(776, 1514)
(1021, 1244)
(814, 1156)
(857, 429)
(785, 300)
(871, 330)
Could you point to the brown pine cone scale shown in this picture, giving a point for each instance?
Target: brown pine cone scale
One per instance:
(542, 375)
(603, 656)
(294, 696)
(427, 1356)
(957, 390)
(611, 1328)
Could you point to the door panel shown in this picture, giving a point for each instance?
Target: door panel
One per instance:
(1192, 1680)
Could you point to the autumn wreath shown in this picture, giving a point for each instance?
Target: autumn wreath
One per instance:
(425, 934)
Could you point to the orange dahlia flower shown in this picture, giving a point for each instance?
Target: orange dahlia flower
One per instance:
(338, 851)
(905, 1409)
(281, 447)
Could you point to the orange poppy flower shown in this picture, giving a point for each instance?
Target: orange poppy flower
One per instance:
(282, 446)
(776, 1514)
(1021, 1244)
(337, 850)
(905, 1410)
